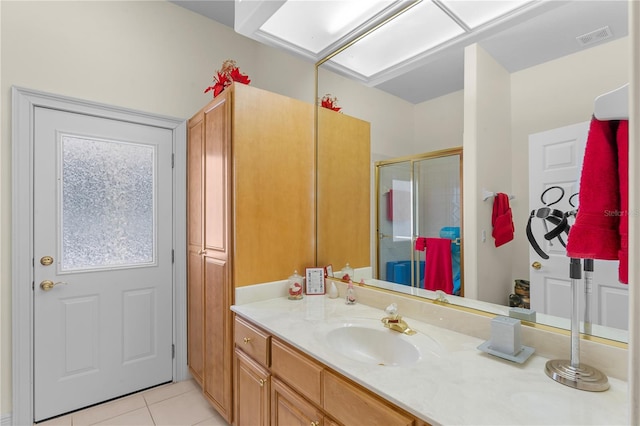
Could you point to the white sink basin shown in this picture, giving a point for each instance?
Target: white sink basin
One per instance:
(378, 346)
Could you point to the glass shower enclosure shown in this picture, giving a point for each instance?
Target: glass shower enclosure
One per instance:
(419, 211)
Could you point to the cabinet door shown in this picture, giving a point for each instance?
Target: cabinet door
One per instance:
(218, 386)
(195, 290)
(218, 285)
(251, 392)
(290, 409)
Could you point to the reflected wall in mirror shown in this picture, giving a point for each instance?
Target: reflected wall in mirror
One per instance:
(418, 221)
(489, 97)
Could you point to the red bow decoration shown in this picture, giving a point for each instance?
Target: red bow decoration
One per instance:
(225, 76)
(330, 102)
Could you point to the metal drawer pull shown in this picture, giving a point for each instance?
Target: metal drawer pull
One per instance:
(262, 381)
(246, 339)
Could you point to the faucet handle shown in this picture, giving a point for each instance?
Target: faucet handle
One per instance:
(392, 309)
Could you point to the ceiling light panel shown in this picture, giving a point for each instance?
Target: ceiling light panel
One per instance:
(423, 27)
(313, 25)
(475, 13)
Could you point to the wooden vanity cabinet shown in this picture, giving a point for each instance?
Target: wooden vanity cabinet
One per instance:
(303, 391)
(250, 180)
(305, 385)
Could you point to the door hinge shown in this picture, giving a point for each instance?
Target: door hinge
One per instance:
(173, 351)
(173, 256)
(173, 160)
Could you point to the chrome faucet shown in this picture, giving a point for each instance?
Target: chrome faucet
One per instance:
(395, 322)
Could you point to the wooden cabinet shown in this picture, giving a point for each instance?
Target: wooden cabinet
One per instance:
(195, 242)
(250, 216)
(297, 370)
(252, 384)
(351, 405)
(252, 392)
(344, 194)
(290, 409)
(303, 391)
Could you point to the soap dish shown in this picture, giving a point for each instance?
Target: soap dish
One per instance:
(520, 357)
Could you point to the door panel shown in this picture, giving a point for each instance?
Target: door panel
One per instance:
(555, 159)
(102, 211)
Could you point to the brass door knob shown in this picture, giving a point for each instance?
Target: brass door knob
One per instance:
(47, 285)
(536, 265)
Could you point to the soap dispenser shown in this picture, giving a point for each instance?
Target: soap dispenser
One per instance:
(333, 290)
(351, 294)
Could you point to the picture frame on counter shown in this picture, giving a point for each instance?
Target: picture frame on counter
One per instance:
(328, 271)
(314, 281)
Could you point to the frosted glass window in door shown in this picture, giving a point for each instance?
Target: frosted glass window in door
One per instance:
(108, 205)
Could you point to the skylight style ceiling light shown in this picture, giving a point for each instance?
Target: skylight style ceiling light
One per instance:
(315, 25)
(316, 28)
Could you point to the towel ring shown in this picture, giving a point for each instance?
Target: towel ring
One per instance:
(549, 189)
(571, 200)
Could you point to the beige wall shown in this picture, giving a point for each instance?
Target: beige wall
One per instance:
(152, 56)
(438, 123)
(486, 166)
(391, 118)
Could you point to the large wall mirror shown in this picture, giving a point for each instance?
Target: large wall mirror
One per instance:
(539, 71)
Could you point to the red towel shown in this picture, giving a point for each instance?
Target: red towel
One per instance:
(502, 220)
(421, 244)
(601, 227)
(438, 268)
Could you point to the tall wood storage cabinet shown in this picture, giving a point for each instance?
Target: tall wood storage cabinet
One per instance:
(251, 216)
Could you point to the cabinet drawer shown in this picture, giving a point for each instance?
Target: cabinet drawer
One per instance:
(351, 405)
(300, 372)
(252, 341)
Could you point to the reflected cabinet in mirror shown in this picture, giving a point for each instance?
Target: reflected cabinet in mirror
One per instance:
(508, 97)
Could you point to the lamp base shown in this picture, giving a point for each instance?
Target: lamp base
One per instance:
(583, 377)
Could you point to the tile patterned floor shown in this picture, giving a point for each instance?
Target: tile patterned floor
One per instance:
(180, 404)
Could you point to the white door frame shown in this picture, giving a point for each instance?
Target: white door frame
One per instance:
(24, 102)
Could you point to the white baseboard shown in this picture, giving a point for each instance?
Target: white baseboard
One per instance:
(5, 419)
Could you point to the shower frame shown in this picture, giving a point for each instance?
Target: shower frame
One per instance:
(412, 160)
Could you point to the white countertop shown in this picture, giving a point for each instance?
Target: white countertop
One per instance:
(453, 382)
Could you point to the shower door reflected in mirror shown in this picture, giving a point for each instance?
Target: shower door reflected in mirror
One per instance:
(419, 212)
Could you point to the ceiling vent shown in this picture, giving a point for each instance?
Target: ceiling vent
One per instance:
(594, 36)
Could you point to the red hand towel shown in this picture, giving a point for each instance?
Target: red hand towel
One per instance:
(502, 220)
(601, 227)
(421, 243)
(438, 268)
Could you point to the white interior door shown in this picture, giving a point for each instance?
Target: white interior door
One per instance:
(103, 238)
(555, 159)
